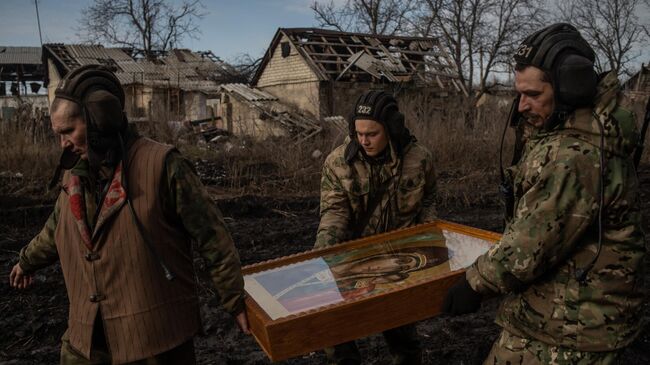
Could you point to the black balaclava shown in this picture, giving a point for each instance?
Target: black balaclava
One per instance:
(382, 108)
(561, 52)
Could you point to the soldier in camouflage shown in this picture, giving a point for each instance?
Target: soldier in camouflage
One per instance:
(185, 204)
(379, 180)
(569, 262)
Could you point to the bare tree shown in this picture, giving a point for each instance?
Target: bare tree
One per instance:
(480, 35)
(244, 67)
(365, 16)
(612, 27)
(149, 25)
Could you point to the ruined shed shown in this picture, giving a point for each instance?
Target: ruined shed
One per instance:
(21, 69)
(255, 113)
(323, 71)
(21, 80)
(179, 85)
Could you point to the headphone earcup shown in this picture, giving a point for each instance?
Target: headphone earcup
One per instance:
(395, 122)
(105, 112)
(575, 81)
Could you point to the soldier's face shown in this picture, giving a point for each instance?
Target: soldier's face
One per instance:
(71, 129)
(536, 103)
(371, 136)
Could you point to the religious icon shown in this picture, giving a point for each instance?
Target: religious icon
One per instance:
(367, 270)
(304, 302)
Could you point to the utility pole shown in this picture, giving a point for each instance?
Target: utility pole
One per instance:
(38, 19)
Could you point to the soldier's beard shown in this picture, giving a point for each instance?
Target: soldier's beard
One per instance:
(534, 119)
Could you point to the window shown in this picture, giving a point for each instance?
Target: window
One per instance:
(286, 49)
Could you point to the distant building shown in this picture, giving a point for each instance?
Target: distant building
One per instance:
(179, 85)
(322, 72)
(21, 80)
(637, 87)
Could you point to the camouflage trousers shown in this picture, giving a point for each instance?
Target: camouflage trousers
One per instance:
(403, 344)
(99, 355)
(514, 350)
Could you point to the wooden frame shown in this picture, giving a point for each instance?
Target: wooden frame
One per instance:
(428, 258)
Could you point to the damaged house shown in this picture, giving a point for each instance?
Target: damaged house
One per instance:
(309, 78)
(322, 72)
(21, 79)
(637, 87)
(179, 85)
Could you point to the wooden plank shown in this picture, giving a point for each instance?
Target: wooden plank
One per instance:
(351, 321)
(316, 54)
(339, 44)
(340, 62)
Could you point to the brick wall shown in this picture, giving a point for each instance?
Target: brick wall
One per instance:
(303, 96)
(285, 70)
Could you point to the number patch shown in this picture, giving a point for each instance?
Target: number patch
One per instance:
(364, 109)
(524, 50)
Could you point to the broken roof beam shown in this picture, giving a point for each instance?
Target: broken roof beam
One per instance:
(300, 141)
(346, 46)
(378, 48)
(351, 61)
(375, 67)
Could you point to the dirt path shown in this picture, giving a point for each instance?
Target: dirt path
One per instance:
(33, 321)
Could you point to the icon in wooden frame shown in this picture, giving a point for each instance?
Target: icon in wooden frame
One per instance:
(319, 298)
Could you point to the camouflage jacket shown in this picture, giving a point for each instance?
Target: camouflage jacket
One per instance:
(188, 203)
(409, 191)
(554, 233)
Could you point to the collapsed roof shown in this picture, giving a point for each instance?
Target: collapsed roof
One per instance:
(300, 126)
(178, 68)
(21, 63)
(343, 56)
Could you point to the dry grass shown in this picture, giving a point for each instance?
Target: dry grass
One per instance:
(28, 156)
(274, 167)
(465, 157)
(20, 154)
(465, 154)
(28, 145)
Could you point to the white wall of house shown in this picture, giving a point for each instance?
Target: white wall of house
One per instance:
(242, 119)
(291, 80)
(195, 105)
(9, 104)
(37, 101)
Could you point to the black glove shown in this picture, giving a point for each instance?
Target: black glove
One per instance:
(461, 299)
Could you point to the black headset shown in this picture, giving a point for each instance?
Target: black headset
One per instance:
(561, 52)
(382, 107)
(101, 97)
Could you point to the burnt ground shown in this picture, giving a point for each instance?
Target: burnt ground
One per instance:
(32, 321)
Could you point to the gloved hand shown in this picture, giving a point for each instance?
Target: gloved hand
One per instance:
(461, 299)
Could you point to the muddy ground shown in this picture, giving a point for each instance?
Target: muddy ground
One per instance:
(32, 321)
